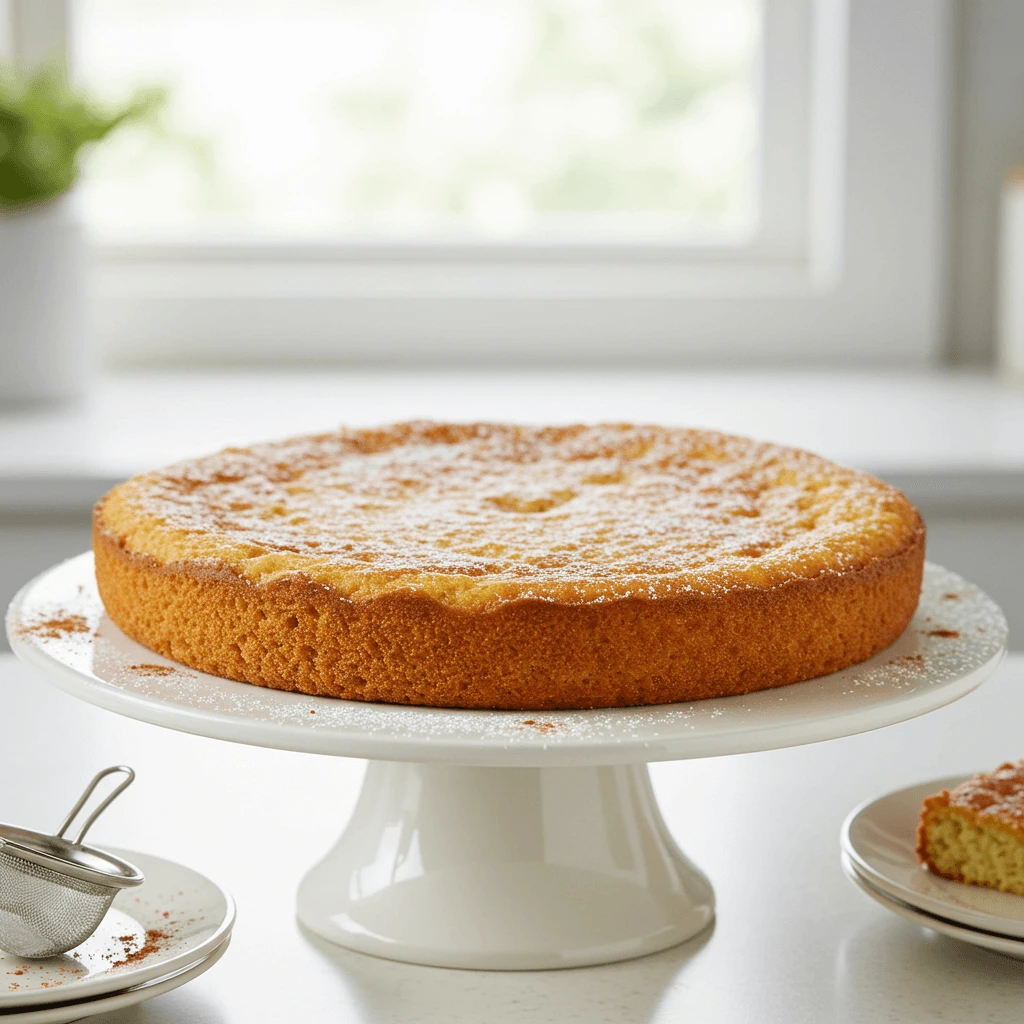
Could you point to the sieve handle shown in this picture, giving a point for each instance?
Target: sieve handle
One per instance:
(83, 799)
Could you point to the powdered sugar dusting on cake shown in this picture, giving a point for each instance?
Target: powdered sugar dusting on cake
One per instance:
(478, 515)
(998, 794)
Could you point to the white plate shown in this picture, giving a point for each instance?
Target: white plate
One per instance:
(997, 943)
(880, 838)
(955, 641)
(193, 915)
(59, 1014)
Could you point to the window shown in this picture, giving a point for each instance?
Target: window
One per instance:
(405, 119)
(522, 179)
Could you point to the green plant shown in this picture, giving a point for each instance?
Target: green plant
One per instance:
(44, 125)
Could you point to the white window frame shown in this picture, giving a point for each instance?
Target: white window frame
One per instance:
(848, 263)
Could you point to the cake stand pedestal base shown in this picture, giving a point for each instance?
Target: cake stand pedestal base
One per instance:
(506, 869)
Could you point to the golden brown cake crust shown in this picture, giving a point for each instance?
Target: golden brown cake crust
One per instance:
(490, 566)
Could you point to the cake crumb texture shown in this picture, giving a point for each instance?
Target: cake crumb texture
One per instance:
(975, 832)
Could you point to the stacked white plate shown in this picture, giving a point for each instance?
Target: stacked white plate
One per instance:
(155, 938)
(878, 854)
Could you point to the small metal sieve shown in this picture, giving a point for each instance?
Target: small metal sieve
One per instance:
(55, 891)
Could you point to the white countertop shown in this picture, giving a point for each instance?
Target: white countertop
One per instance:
(794, 942)
(936, 433)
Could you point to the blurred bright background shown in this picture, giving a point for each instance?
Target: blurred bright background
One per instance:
(412, 118)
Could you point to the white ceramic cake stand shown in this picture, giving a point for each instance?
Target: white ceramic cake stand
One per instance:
(499, 839)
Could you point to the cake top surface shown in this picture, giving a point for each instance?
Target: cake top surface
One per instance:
(998, 794)
(476, 515)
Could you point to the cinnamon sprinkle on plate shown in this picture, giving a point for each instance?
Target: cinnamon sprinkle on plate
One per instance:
(56, 628)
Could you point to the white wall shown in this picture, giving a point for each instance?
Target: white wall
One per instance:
(988, 139)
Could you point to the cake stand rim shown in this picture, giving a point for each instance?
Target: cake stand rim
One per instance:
(524, 747)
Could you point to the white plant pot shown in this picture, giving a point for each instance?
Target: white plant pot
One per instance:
(44, 343)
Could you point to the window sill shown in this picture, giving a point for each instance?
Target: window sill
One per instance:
(947, 439)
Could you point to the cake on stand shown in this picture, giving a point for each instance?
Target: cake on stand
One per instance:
(506, 839)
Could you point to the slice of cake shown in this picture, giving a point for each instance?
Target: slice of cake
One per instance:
(499, 566)
(975, 833)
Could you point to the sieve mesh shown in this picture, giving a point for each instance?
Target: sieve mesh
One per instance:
(44, 912)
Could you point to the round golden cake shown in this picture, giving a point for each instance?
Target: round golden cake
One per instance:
(496, 566)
